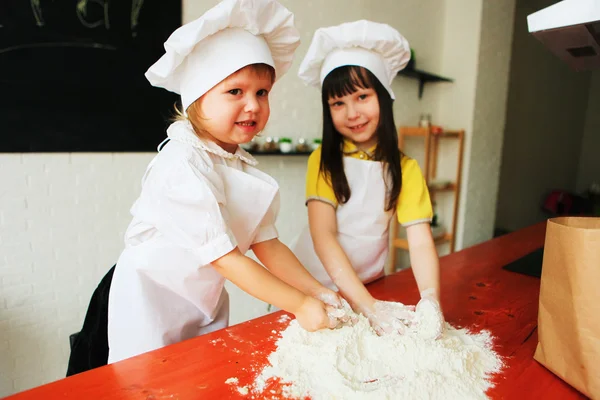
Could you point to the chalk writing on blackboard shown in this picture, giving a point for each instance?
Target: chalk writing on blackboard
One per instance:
(66, 24)
(78, 66)
(84, 14)
(136, 7)
(57, 44)
(37, 12)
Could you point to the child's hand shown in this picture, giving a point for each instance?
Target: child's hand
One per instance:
(328, 297)
(429, 305)
(387, 317)
(313, 315)
(338, 309)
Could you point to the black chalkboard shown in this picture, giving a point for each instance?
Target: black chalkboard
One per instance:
(72, 74)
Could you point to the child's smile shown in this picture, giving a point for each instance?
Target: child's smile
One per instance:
(358, 128)
(248, 126)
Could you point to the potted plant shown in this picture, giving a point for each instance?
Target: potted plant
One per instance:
(285, 145)
(315, 144)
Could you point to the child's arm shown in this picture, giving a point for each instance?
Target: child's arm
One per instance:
(424, 259)
(258, 282)
(426, 268)
(323, 229)
(282, 262)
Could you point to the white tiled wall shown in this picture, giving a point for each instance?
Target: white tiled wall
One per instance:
(62, 219)
(62, 216)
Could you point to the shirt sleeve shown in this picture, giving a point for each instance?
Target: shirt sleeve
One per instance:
(266, 229)
(184, 203)
(317, 186)
(414, 203)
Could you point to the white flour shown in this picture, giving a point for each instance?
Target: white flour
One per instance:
(243, 390)
(354, 363)
(426, 324)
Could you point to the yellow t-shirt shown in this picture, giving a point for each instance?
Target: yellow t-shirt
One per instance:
(414, 204)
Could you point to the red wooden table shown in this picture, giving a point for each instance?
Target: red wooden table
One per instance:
(476, 293)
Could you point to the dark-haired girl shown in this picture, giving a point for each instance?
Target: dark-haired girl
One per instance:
(358, 180)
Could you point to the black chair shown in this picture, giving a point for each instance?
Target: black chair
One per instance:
(72, 339)
(89, 347)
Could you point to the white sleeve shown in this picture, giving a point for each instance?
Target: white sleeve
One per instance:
(184, 203)
(266, 229)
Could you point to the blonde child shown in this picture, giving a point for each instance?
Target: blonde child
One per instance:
(358, 179)
(203, 204)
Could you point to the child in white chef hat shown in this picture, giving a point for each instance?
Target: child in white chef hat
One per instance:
(203, 203)
(358, 180)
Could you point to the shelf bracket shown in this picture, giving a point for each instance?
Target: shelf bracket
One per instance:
(421, 87)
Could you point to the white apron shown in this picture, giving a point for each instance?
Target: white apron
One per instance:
(153, 303)
(363, 225)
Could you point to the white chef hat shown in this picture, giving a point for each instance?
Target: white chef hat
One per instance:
(229, 36)
(377, 47)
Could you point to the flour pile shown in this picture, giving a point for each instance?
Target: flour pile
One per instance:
(354, 363)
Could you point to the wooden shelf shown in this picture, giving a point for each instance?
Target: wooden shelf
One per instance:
(401, 243)
(423, 77)
(418, 131)
(449, 188)
(431, 143)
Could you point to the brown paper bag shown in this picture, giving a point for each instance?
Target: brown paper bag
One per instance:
(569, 316)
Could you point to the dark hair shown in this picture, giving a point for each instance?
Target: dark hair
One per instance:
(343, 81)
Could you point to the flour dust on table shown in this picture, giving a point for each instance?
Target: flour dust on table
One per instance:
(353, 362)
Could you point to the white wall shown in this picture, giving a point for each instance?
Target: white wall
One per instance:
(457, 101)
(63, 215)
(546, 111)
(476, 53)
(482, 173)
(589, 161)
(62, 219)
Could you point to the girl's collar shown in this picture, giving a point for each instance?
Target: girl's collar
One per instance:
(351, 148)
(182, 131)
